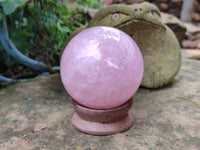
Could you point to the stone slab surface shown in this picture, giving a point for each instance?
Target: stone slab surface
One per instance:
(35, 115)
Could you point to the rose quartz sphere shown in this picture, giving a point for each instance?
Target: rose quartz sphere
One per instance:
(101, 67)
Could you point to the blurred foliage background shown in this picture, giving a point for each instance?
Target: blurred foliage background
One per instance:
(39, 28)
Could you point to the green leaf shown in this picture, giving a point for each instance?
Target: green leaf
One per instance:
(1, 16)
(9, 6)
(63, 28)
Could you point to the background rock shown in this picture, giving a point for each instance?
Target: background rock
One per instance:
(175, 24)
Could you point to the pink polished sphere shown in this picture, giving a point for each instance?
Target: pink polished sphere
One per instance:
(101, 67)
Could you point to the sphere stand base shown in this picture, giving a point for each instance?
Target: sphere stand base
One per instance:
(101, 122)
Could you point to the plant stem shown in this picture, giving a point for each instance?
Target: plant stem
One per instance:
(10, 80)
(15, 53)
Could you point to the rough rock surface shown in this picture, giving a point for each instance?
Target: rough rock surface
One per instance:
(175, 24)
(35, 115)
